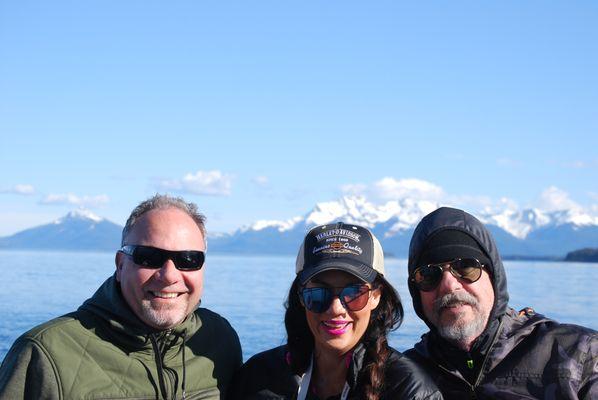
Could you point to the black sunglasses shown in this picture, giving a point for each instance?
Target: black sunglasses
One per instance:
(153, 257)
(319, 299)
(428, 277)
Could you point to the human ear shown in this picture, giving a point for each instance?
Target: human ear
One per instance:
(118, 261)
(375, 297)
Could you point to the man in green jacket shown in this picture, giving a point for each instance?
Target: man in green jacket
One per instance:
(141, 335)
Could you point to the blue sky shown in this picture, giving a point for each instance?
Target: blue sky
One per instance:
(259, 110)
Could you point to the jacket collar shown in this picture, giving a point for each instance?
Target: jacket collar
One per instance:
(513, 327)
(116, 320)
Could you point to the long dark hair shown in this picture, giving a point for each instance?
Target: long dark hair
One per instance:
(384, 318)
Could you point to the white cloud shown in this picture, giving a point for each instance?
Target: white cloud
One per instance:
(209, 183)
(261, 181)
(21, 189)
(555, 199)
(72, 199)
(472, 202)
(389, 188)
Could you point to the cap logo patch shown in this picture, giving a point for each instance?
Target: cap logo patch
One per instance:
(338, 241)
(336, 246)
(338, 232)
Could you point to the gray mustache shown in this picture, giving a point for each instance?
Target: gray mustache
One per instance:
(455, 297)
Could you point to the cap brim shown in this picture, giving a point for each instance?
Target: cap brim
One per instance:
(359, 270)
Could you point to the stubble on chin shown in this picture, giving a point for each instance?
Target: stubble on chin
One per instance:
(163, 317)
(459, 330)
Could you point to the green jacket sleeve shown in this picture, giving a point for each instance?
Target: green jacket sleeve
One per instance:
(28, 373)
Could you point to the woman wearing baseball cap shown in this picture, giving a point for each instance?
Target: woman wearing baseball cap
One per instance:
(340, 310)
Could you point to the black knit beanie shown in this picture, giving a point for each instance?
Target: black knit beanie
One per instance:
(450, 244)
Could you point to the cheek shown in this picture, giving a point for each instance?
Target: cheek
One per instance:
(313, 321)
(134, 277)
(194, 281)
(427, 300)
(361, 319)
(488, 301)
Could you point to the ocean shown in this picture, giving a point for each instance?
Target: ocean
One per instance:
(250, 291)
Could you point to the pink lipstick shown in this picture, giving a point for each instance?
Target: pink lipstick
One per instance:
(335, 327)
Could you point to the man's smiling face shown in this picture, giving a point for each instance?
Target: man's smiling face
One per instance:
(162, 297)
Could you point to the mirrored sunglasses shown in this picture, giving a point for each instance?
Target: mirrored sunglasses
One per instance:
(153, 257)
(319, 299)
(428, 277)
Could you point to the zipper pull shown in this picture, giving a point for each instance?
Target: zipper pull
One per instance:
(469, 361)
(470, 364)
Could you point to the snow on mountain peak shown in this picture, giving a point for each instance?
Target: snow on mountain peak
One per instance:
(518, 223)
(408, 213)
(352, 209)
(280, 225)
(80, 214)
(575, 216)
(404, 213)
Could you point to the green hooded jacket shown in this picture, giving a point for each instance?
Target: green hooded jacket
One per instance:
(103, 351)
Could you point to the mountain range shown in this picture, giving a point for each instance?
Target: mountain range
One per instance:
(79, 230)
(529, 233)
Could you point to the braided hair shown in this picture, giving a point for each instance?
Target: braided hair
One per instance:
(387, 316)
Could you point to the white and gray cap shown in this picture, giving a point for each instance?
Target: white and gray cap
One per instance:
(340, 246)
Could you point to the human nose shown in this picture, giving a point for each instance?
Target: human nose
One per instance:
(448, 283)
(168, 273)
(336, 307)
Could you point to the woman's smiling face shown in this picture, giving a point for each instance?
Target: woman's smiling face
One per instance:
(337, 329)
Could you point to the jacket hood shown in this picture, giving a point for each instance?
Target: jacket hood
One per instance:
(123, 326)
(446, 218)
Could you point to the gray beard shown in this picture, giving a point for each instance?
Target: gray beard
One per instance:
(461, 333)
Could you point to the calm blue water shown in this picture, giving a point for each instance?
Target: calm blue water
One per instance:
(250, 290)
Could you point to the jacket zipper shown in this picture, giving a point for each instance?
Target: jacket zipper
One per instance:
(479, 377)
(477, 382)
(160, 363)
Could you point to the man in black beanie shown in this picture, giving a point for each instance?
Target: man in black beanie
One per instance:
(477, 346)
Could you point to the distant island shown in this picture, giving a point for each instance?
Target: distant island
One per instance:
(588, 254)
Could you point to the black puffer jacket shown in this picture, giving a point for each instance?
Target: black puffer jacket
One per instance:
(519, 355)
(268, 376)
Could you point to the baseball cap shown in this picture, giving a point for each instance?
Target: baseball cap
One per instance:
(343, 247)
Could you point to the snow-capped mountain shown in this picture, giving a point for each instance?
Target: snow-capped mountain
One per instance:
(357, 210)
(526, 233)
(78, 230)
(80, 214)
(520, 223)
